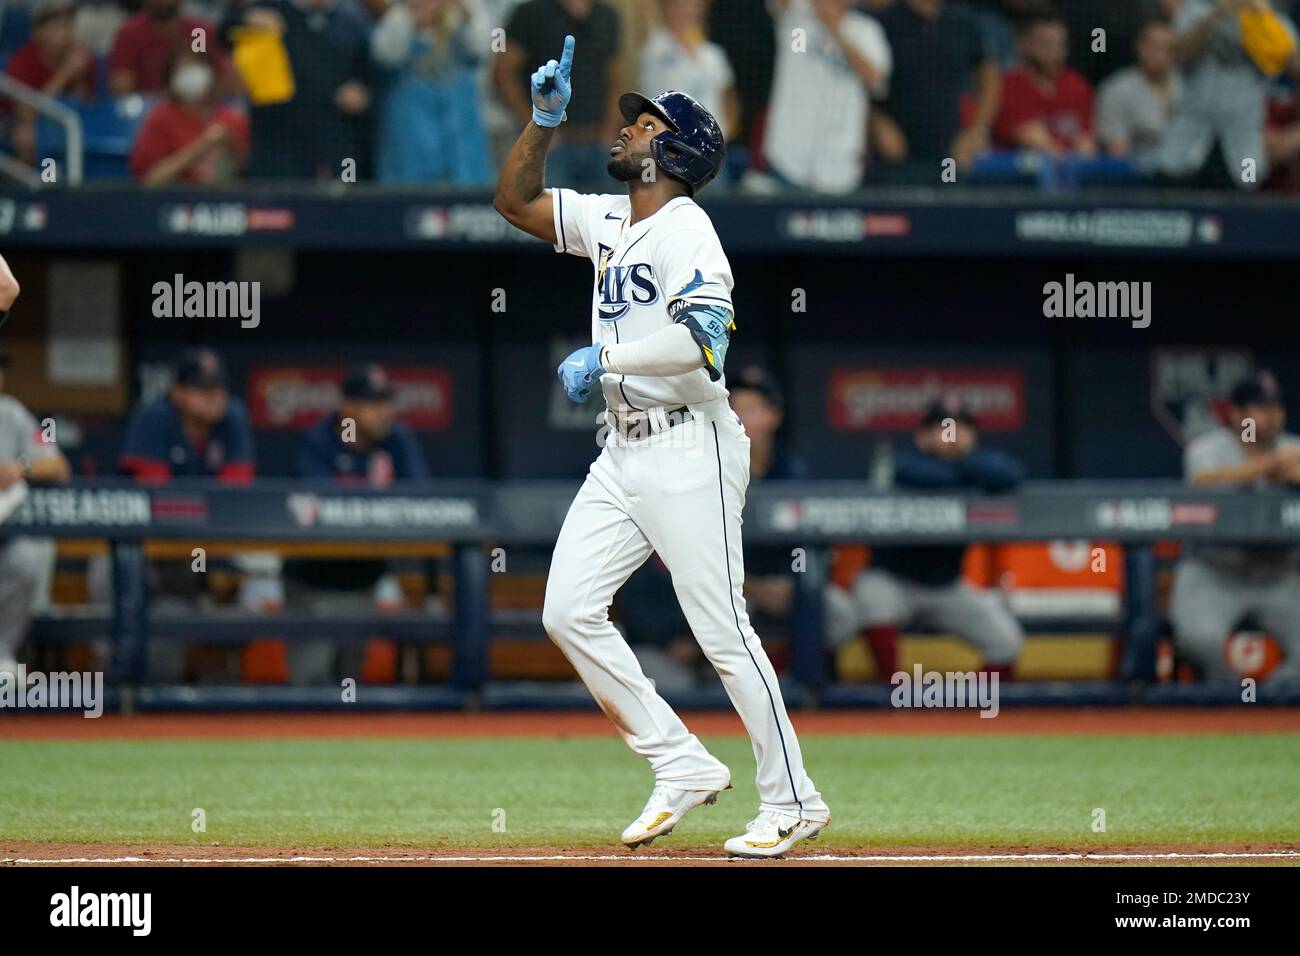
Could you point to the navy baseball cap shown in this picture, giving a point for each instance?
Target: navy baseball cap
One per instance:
(1257, 388)
(368, 383)
(950, 406)
(200, 368)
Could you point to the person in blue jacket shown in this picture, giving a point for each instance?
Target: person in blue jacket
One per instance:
(922, 585)
(361, 445)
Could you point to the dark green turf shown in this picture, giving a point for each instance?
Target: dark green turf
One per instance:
(1003, 790)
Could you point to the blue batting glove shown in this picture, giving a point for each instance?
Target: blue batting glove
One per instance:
(579, 370)
(550, 88)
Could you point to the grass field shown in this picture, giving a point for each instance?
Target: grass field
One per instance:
(915, 790)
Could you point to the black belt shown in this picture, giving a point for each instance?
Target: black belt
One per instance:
(675, 416)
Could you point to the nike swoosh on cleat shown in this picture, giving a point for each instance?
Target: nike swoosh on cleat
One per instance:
(781, 835)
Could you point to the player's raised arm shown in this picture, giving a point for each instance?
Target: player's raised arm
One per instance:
(521, 197)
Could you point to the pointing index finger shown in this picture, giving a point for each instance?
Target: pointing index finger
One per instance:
(566, 58)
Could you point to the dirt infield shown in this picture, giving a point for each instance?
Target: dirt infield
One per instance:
(1243, 720)
(47, 854)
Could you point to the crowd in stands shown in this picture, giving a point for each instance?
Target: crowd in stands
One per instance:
(820, 95)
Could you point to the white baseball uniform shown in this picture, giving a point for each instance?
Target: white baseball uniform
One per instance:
(676, 490)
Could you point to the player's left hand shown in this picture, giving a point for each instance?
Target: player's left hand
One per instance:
(579, 370)
(550, 88)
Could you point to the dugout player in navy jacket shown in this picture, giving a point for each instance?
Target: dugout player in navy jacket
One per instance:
(922, 584)
(362, 444)
(198, 429)
(375, 449)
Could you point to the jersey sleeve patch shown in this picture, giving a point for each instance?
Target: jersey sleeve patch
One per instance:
(697, 282)
(710, 326)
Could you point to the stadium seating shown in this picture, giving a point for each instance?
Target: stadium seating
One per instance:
(109, 127)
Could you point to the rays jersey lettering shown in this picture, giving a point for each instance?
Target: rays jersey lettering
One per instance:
(622, 286)
(645, 273)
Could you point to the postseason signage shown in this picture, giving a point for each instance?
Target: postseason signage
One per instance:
(783, 512)
(270, 511)
(869, 516)
(83, 508)
(793, 513)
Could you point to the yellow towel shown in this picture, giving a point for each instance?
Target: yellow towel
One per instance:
(1266, 40)
(263, 62)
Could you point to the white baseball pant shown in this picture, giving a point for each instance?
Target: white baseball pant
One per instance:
(679, 492)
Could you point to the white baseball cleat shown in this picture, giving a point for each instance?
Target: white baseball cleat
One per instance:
(663, 811)
(772, 834)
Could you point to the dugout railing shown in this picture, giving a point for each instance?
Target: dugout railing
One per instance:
(474, 517)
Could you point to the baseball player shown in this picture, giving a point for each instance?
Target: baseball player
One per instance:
(923, 583)
(672, 476)
(198, 429)
(26, 564)
(378, 451)
(1217, 585)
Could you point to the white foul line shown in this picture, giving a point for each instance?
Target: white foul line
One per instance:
(628, 858)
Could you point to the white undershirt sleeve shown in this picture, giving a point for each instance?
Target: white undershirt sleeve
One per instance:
(670, 351)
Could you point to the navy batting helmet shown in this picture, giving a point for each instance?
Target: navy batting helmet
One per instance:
(692, 148)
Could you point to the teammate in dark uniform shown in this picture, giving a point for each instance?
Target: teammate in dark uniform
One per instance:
(922, 583)
(198, 429)
(362, 444)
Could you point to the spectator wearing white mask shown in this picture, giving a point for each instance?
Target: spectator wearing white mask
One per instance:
(189, 137)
